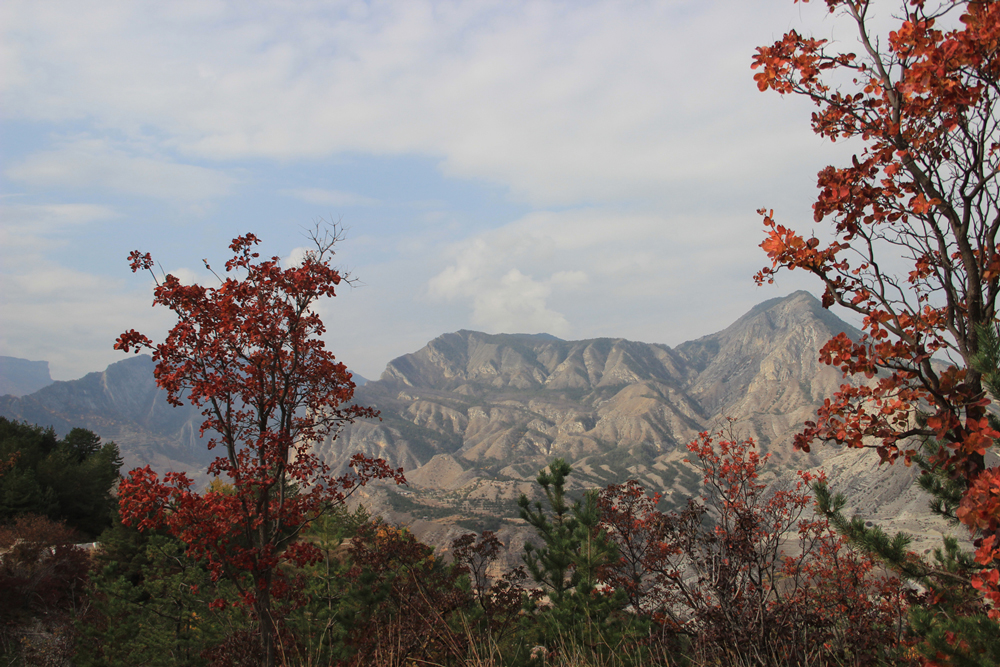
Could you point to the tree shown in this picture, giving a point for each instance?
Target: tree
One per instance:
(952, 618)
(568, 566)
(250, 354)
(43, 578)
(744, 572)
(499, 599)
(318, 624)
(401, 601)
(923, 101)
(149, 604)
(949, 616)
(67, 480)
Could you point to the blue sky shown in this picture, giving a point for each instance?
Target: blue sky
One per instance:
(580, 168)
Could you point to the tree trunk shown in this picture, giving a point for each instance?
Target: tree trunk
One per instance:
(267, 630)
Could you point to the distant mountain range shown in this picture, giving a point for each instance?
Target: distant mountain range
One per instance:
(506, 404)
(472, 417)
(19, 377)
(121, 403)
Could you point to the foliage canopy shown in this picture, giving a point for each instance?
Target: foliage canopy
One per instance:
(250, 353)
(922, 100)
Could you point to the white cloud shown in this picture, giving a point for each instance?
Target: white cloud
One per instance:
(189, 276)
(89, 163)
(88, 312)
(50, 218)
(28, 230)
(296, 256)
(601, 272)
(597, 104)
(562, 102)
(513, 302)
(66, 316)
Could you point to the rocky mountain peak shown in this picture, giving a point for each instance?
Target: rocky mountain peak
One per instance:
(477, 361)
(511, 402)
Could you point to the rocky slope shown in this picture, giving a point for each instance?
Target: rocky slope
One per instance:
(471, 405)
(122, 404)
(472, 417)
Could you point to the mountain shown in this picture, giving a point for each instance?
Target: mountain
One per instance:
(122, 404)
(471, 405)
(508, 403)
(472, 417)
(20, 376)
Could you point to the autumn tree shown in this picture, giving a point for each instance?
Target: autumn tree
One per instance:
(250, 354)
(949, 616)
(745, 574)
(923, 193)
(499, 598)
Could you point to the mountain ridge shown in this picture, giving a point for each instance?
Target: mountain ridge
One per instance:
(121, 403)
(20, 377)
(472, 417)
(643, 396)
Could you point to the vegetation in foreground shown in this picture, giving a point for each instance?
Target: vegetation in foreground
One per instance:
(745, 575)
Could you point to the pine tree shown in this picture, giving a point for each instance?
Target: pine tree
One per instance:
(150, 604)
(568, 566)
(67, 480)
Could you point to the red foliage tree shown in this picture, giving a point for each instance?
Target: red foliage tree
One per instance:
(923, 100)
(980, 510)
(644, 565)
(745, 570)
(499, 598)
(249, 352)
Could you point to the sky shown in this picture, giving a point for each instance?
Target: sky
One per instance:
(584, 169)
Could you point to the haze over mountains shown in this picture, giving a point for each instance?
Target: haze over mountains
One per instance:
(472, 417)
(19, 377)
(121, 403)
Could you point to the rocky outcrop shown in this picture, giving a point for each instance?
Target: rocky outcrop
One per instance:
(19, 377)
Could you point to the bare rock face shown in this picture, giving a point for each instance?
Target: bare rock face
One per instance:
(513, 402)
(473, 417)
